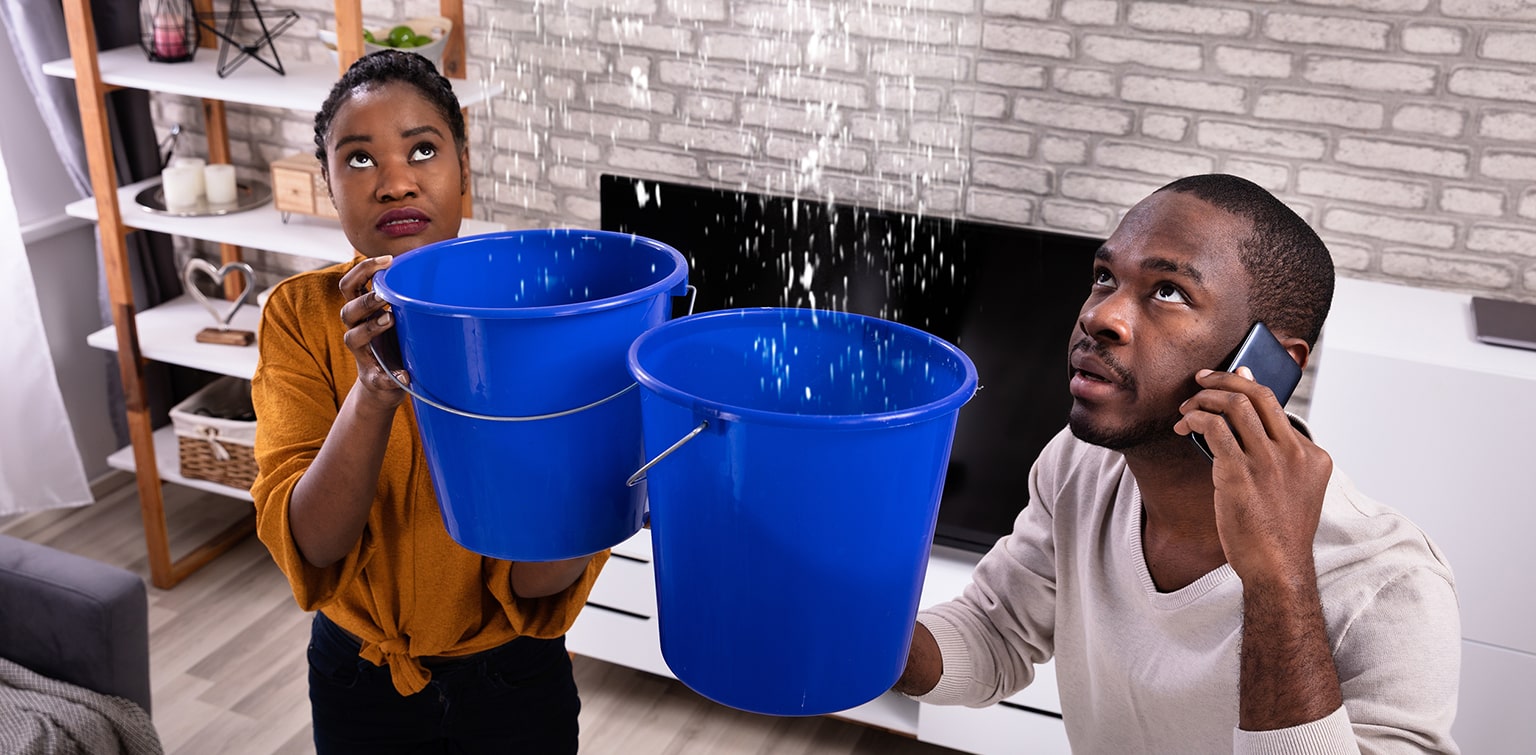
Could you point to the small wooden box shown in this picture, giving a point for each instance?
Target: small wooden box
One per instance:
(297, 186)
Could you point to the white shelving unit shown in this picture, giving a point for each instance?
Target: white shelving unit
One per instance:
(167, 333)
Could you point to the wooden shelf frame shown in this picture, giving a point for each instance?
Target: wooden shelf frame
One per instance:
(91, 89)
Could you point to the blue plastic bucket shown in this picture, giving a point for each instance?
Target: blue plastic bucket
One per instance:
(791, 534)
(519, 326)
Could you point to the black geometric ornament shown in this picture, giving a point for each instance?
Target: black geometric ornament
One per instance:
(229, 35)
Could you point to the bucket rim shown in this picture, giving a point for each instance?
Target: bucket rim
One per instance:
(734, 413)
(674, 282)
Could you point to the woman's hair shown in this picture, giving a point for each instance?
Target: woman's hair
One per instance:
(1289, 268)
(383, 67)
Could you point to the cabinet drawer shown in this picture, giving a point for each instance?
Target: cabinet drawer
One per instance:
(626, 585)
(995, 730)
(618, 638)
(323, 206)
(637, 547)
(1041, 694)
(293, 191)
(298, 186)
(1494, 711)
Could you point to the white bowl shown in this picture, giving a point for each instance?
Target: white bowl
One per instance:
(436, 27)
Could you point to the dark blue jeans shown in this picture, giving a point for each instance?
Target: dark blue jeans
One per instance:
(517, 698)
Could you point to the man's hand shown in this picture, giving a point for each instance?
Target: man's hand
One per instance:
(1270, 481)
(1269, 477)
(924, 665)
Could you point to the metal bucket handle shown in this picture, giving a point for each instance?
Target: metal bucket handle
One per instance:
(639, 475)
(693, 295)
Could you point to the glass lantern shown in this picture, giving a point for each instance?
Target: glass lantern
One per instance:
(168, 31)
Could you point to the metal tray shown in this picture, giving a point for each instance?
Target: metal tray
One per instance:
(250, 193)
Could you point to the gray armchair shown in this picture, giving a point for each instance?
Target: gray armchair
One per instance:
(73, 619)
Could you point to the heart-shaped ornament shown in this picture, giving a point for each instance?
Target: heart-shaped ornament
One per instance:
(198, 267)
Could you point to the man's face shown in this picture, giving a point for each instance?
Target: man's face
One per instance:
(1169, 298)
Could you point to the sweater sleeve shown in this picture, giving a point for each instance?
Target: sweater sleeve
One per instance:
(296, 402)
(1399, 664)
(1003, 624)
(1329, 735)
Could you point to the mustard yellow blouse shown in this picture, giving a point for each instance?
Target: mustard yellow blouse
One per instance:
(406, 590)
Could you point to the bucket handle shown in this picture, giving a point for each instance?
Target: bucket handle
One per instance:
(639, 475)
(693, 296)
(373, 348)
(488, 417)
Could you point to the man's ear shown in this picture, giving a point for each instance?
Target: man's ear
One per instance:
(1299, 350)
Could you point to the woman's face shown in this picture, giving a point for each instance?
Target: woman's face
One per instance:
(395, 176)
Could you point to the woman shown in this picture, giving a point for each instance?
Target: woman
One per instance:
(417, 644)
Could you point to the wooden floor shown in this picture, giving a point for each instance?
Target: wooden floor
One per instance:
(228, 669)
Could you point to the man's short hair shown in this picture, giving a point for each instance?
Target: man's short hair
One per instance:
(1289, 267)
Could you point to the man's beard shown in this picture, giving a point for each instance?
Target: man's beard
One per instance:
(1144, 433)
(1152, 437)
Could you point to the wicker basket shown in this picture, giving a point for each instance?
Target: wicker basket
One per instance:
(212, 445)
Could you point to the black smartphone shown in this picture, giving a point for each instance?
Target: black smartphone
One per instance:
(1271, 364)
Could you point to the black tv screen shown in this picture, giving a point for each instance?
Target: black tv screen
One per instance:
(1008, 297)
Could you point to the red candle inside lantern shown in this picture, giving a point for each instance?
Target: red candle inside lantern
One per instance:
(170, 39)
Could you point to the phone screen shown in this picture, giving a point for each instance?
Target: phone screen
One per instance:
(1271, 364)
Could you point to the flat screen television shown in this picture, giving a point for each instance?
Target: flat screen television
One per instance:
(1008, 297)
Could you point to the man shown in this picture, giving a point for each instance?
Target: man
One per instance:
(1258, 603)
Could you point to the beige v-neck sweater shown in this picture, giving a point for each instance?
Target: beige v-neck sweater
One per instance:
(1141, 671)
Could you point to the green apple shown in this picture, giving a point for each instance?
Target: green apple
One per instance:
(401, 34)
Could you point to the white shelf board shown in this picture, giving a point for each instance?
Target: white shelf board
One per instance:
(259, 228)
(168, 333)
(304, 86)
(168, 461)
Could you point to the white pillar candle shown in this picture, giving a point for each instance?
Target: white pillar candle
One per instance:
(219, 184)
(180, 184)
(192, 162)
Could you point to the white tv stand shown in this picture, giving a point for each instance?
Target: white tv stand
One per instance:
(619, 626)
(1430, 421)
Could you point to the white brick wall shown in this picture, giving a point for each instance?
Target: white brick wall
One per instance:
(1405, 129)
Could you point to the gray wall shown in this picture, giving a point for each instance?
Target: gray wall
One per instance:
(1402, 129)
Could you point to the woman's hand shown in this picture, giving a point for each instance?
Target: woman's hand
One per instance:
(539, 579)
(330, 504)
(367, 317)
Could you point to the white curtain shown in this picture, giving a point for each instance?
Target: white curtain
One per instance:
(40, 466)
